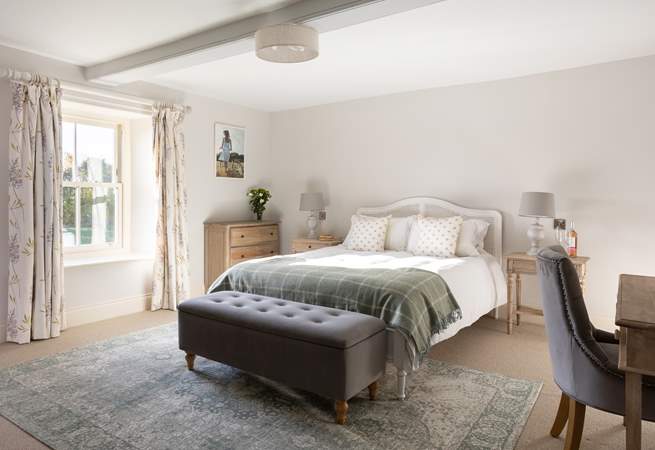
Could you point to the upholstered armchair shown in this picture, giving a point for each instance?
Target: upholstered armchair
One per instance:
(584, 359)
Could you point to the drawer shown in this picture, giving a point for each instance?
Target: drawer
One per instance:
(238, 254)
(253, 235)
(299, 247)
(519, 266)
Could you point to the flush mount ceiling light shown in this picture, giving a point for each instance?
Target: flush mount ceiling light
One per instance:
(287, 43)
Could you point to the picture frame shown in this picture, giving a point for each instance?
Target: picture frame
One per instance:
(229, 150)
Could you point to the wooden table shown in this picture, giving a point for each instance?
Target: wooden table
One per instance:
(635, 315)
(517, 264)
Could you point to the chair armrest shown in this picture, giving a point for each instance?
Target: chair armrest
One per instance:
(604, 336)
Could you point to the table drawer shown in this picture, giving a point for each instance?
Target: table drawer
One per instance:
(238, 254)
(253, 235)
(519, 266)
(299, 247)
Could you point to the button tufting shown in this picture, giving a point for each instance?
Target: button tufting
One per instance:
(335, 314)
(238, 305)
(235, 295)
(288, 315)
(280, 303)
(218, 300)
(317, 321)
(262, 310)
(305, 308)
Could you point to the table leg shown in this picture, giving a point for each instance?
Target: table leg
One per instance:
(510, 302)
(582, 275)
(633, 410)
(518, 299)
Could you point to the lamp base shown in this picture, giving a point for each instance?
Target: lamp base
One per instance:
(535, 235)
(312, 225)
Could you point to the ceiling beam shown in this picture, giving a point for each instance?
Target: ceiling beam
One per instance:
(237, 37)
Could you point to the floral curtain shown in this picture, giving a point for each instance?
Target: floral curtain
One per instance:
(171, 271)
(35, 211)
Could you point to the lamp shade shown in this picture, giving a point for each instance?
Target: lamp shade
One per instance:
(286, 43)
(311, 201)
(537, 204)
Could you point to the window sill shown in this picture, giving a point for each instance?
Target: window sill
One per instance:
(92, 260)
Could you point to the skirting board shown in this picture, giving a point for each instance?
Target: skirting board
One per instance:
(108, 310)
(3, 332)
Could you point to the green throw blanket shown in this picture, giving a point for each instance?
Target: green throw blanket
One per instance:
(413, 301)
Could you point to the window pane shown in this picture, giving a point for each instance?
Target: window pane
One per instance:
(97, 216)
(69, 235)
(68, 149)
(95, 153)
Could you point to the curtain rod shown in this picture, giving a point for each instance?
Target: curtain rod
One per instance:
(80, 91)
(17, 75)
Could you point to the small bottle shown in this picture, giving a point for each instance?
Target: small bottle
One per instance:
(572, 242)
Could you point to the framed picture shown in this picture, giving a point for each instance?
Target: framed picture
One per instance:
(229, 150)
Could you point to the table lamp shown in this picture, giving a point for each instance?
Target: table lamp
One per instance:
(537, 205)
(312, 202)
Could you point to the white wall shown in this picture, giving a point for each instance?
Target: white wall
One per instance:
(92, 291)
(588, 135)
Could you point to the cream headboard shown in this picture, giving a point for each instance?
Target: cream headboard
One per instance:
(436, 207)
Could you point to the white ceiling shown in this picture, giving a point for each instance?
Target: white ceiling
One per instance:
(447, 43)
(86, 32)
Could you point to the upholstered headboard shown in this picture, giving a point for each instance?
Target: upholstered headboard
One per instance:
(437, 207)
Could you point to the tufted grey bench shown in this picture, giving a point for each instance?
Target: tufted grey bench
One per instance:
(326, 351)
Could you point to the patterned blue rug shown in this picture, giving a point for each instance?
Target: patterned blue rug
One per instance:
(134, 392)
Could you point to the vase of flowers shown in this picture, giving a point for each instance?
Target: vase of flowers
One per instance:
(258, 199)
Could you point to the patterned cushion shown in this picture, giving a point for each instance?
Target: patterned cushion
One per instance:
(367, 233)
(436, 236)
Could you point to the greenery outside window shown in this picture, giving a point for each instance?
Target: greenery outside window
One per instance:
(92, 185)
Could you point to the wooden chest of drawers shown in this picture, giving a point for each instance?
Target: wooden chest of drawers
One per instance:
(228, 243)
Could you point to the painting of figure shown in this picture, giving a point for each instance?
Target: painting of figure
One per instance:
(229, 150)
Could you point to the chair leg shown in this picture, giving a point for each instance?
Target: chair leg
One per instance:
(575, 426)
(562, 416)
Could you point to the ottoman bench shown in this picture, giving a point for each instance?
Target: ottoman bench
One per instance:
(325, 351)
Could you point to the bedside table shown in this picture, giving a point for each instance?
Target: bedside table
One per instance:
(517, 264)
(304, 244)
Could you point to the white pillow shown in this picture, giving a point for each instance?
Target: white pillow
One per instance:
(471, 237)
(367, 234)
(433, 236)
(398, 233)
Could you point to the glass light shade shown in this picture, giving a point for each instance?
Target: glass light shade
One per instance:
(287, 43)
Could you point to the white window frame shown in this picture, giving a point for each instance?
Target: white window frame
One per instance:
(121, 153)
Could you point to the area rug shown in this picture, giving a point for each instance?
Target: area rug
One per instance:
(134, 392)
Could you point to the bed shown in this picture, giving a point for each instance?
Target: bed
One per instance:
(475, 299)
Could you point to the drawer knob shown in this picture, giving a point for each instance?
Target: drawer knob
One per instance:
(272, 252)
(309, 246)
(272, 233)
(242, 236)
(243, 256)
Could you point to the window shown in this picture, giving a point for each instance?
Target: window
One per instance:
(92, 185)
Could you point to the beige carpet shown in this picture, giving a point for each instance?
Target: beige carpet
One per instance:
(483, 346)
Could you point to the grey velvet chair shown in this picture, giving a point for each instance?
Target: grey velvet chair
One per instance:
(584, 359)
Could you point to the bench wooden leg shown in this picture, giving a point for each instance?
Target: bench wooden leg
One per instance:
(373, 390)
(341, 406)
(190, 358)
